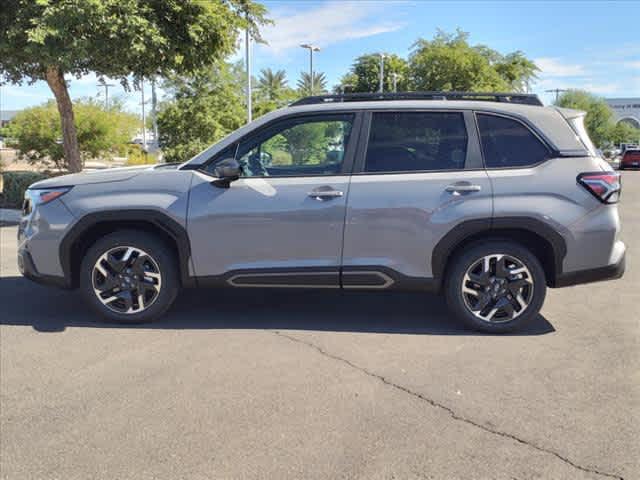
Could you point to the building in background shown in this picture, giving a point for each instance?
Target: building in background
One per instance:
(626, 110)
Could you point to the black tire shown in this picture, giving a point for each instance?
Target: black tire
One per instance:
(159, 252)
(457, 270)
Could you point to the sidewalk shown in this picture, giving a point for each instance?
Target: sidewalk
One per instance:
(9, 217)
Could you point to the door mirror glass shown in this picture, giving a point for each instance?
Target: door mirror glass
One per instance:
(227, 170)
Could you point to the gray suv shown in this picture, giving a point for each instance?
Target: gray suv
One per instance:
(488, 198)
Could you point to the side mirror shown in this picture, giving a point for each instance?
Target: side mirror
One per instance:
(227, 171)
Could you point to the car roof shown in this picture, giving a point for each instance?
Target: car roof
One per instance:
(414, 105)
(548, 122)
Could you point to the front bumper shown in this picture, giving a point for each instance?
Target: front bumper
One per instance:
(40, 232)
(28, 270)
(609, 272)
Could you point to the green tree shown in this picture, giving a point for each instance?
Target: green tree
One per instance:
(599, 120)
(364, 75)
(271, 85)
(46, 40)
(623, 132)
(347, 83)
(319, 84)
(449, 62)
(517, 70)
(203, 108)
(272, 92)
(262, 105)
(36, 132)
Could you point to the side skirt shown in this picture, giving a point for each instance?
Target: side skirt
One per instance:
(348, 278)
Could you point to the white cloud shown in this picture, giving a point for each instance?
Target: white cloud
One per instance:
(11, 91)
(632, 64)
(600, 88)
(555, 67)
(327, 24)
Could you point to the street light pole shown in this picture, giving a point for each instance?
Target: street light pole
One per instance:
(154, 111)
(106, 92)
(311, 69)
(311, 48)
(247, 44)
(144, 119)
(382, 55)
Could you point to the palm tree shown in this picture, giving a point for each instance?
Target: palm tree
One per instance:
(319, 83)
(271, 84)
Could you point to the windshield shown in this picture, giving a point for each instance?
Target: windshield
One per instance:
(577, 123)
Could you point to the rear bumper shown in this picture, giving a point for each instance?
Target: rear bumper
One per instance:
(28, 270)
(630, 164)
(610, 272)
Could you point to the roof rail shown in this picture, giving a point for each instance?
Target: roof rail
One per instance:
(520, 98)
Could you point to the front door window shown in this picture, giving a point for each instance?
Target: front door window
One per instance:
(297, 147)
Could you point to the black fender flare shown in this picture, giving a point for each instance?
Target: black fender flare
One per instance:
(448, 243)
(157, 218)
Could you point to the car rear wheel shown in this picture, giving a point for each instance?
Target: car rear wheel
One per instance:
(129, 276)
(495, 286)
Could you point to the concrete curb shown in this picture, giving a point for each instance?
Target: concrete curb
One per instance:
(9, 217)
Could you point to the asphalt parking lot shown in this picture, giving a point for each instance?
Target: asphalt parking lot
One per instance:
(273, 385)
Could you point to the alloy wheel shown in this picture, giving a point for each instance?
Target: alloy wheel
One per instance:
(126, 279)
(497, 288)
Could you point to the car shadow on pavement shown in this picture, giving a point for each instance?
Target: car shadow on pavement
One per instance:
(49, 309)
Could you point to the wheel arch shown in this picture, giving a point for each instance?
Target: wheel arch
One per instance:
(541, 239)
(97, 224)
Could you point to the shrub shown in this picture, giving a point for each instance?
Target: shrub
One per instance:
(15, 184)
(36, 132)
(136, 156)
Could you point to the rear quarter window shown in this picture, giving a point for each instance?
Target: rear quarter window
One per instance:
(507, 143)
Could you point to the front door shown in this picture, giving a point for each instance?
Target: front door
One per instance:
(281, 223)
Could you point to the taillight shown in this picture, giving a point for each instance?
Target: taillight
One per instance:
(605, 186)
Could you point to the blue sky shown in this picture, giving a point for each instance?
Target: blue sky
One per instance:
(577, 44)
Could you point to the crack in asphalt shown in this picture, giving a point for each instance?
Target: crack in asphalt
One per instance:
(447, 409)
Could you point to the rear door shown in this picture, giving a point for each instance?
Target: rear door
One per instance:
(419, 174)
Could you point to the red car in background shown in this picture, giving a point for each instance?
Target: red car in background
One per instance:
(630, 159)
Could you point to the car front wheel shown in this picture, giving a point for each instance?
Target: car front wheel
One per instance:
(129, 277)
(495, 286)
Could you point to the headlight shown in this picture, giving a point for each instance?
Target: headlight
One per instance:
(37, 197)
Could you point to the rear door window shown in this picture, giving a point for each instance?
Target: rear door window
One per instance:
(416, 141)
(507, 143)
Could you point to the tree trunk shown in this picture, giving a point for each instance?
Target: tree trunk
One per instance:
(55, 79)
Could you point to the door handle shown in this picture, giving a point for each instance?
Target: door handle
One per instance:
(459, 188)
(325, 194)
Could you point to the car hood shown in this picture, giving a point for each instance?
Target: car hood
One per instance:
(96, 176)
